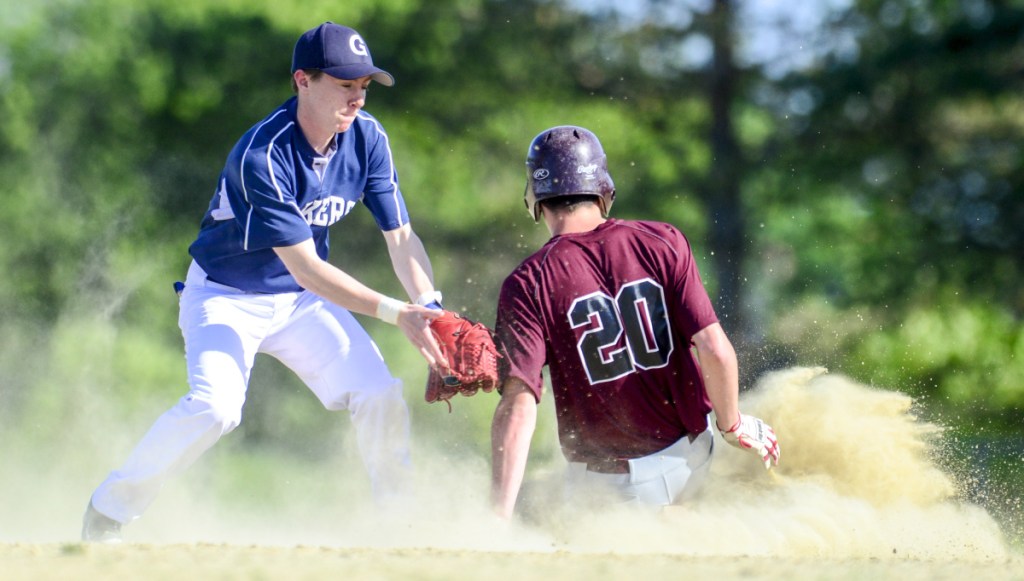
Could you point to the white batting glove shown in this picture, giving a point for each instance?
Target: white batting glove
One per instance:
(752, 434)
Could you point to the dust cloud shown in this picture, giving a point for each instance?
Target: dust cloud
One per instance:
(859, 479)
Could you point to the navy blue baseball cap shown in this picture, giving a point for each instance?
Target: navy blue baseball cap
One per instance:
(338, 51)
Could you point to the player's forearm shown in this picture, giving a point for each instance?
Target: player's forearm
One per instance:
(721, 373)
(511, 432)
(331, 283)
(410, 261)
(320, 277)
(316, 276)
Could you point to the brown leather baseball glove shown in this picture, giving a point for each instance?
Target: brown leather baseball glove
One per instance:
(472, 359)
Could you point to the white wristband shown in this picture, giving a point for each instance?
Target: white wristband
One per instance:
(429, 297)
(388, 309)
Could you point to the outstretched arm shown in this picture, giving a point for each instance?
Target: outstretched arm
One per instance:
(721, 373)
(324, 279)
(511, 432)
(411, 263)
(721, 380)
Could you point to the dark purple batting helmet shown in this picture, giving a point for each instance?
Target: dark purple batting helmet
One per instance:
(567, 161)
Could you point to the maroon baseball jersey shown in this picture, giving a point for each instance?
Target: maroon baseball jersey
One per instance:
(611, 312)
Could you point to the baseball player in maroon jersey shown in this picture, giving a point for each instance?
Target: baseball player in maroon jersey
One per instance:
(637, 359)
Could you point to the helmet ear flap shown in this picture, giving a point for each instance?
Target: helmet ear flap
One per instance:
(530, 200)
(605, 202)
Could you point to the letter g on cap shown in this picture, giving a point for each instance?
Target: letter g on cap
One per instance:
(358, 46)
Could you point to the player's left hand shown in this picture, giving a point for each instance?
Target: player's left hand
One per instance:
(750, 433)
(471, 359)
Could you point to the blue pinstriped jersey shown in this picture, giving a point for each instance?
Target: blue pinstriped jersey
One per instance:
(276, 190)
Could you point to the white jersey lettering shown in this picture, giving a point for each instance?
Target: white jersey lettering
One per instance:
(326, 211)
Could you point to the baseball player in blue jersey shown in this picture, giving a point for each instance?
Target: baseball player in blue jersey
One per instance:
(260, 282)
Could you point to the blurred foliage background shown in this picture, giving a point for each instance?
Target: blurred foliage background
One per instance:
(847, 170)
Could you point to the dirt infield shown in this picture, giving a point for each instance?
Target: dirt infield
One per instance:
(207, 561)
(860, 494)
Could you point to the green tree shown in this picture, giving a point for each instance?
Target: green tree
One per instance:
(858, 209)
(904, 192)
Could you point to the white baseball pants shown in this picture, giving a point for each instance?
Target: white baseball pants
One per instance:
(224, 328)
(670, 476)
